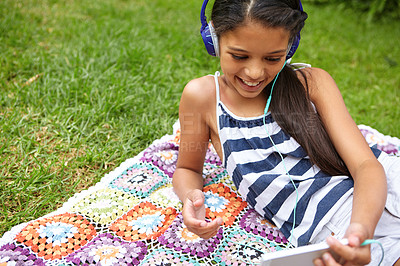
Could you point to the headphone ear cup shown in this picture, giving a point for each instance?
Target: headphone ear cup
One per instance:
(294, 46)
(210, 39)
(296, 40)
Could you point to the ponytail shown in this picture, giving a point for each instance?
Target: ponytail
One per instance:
(292, 109)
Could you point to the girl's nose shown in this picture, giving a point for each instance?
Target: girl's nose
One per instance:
(255, 71)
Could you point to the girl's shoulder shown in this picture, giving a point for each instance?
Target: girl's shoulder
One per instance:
(205, 84)
(200, 91)
(312, 74)
(316, 79)
(199, 95)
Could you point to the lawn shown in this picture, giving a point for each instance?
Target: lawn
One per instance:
(85, 85)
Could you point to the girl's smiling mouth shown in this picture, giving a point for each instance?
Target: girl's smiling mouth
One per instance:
(250, 86)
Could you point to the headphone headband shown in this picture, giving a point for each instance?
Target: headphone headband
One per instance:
(203, 18)
(210, 38)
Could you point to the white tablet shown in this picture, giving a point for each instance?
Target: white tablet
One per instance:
(301, 256)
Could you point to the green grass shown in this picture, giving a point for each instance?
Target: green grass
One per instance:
(84, 85)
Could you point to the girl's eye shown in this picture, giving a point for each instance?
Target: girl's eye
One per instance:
(238, 57)
(274, 59)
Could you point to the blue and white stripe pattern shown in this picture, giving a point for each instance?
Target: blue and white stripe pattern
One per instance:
(261, 179)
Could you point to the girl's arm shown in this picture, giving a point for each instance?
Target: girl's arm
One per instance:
(370, 188)
(194, 140)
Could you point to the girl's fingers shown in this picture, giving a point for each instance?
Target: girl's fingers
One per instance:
(318, 262)
(352, 255)
(329, 260)
(346, 252)
(202, 228)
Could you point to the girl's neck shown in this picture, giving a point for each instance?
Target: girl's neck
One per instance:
(239, 105)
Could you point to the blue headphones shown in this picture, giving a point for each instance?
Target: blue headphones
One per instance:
(210, 38)
(207, 32)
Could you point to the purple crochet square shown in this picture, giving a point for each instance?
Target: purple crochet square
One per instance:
(15, 255)
(177, 237)
(212, 156)
(381, 141)
(106, 249)
(163, 155)
(254, 223)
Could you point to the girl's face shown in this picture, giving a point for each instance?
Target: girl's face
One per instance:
(251, 56)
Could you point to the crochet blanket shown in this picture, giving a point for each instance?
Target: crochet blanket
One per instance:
(133, 217)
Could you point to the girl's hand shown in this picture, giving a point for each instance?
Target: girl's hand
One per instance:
(194, 213)
(351, 254)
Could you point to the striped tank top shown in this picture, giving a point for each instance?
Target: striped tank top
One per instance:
(261, 178)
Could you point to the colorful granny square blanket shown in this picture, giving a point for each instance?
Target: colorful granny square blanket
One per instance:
(133, 217)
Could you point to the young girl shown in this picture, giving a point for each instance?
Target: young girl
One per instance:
(286, 139)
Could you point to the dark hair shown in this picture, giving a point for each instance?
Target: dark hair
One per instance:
(291, 106)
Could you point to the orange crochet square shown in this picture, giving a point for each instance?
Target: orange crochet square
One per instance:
(144, 221)
(221, 202)
(49, 237)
